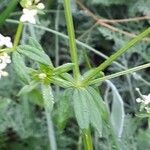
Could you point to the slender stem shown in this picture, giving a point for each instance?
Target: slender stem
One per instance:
(149, 122)
(120, 73)
(128, 78)
(18, 35)
(87, 139)
(72, 41)
(79, 144)
(51, 134)
(57, 41)
(116, 55)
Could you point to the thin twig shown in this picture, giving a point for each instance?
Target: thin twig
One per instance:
(104, 24)
(125, 20)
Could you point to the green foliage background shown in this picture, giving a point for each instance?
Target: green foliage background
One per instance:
(22, 120)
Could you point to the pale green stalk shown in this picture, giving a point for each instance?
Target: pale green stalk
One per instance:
(120, 73)
(87, 139)
(51, 134)
(72, 41)
(116, 55)
(18, 35)
(57, 41)
(86, 135)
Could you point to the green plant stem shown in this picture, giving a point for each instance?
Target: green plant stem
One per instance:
(87, 139)
(79, 144)
(72, 41)
(149, 122)
(116, 55)
(18, 35)
(120, 73)
(57, 41)
(51, 134)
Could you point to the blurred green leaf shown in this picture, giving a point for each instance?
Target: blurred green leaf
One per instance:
(95, 115)
(35, 44)
(20, 67)
(47, 97)
(10, 7)
(63, 68)
(34, 54)
(63, 111)
(28, 88)
(81, 108)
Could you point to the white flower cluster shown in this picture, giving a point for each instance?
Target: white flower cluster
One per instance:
(4, 60)
(5, 41)
(4, 57)
(31, 10)
(144, 100)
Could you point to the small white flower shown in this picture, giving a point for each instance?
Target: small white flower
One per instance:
(5, 41)
(139, 100)
(3, 73)
(40, 6)
(2, 65)
(29, 15)
(4, 60)
(147, 109)
(144, 99)
(42, 76)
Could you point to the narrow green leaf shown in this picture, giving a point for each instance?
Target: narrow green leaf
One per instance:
(47, 97)
(99, 102)
(63, 110)
(95, 115)
(28, 88)
(34, 54)
(35, 44)
(67, 76)
(104, 113)
(20, 67)
(64, 68)
(10, 7)
(81, 108)
(61, 82)
(36, 97)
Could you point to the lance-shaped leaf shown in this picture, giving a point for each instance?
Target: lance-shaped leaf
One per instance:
(63, 68)
(67, 76)
(95, 114)
(34, 54)
(81, 108)
(99, 102)
(20, 67)
(28, 88)
(47, 97)
(35, 44)
(61, 82)
(63, 110)
(117, 111)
